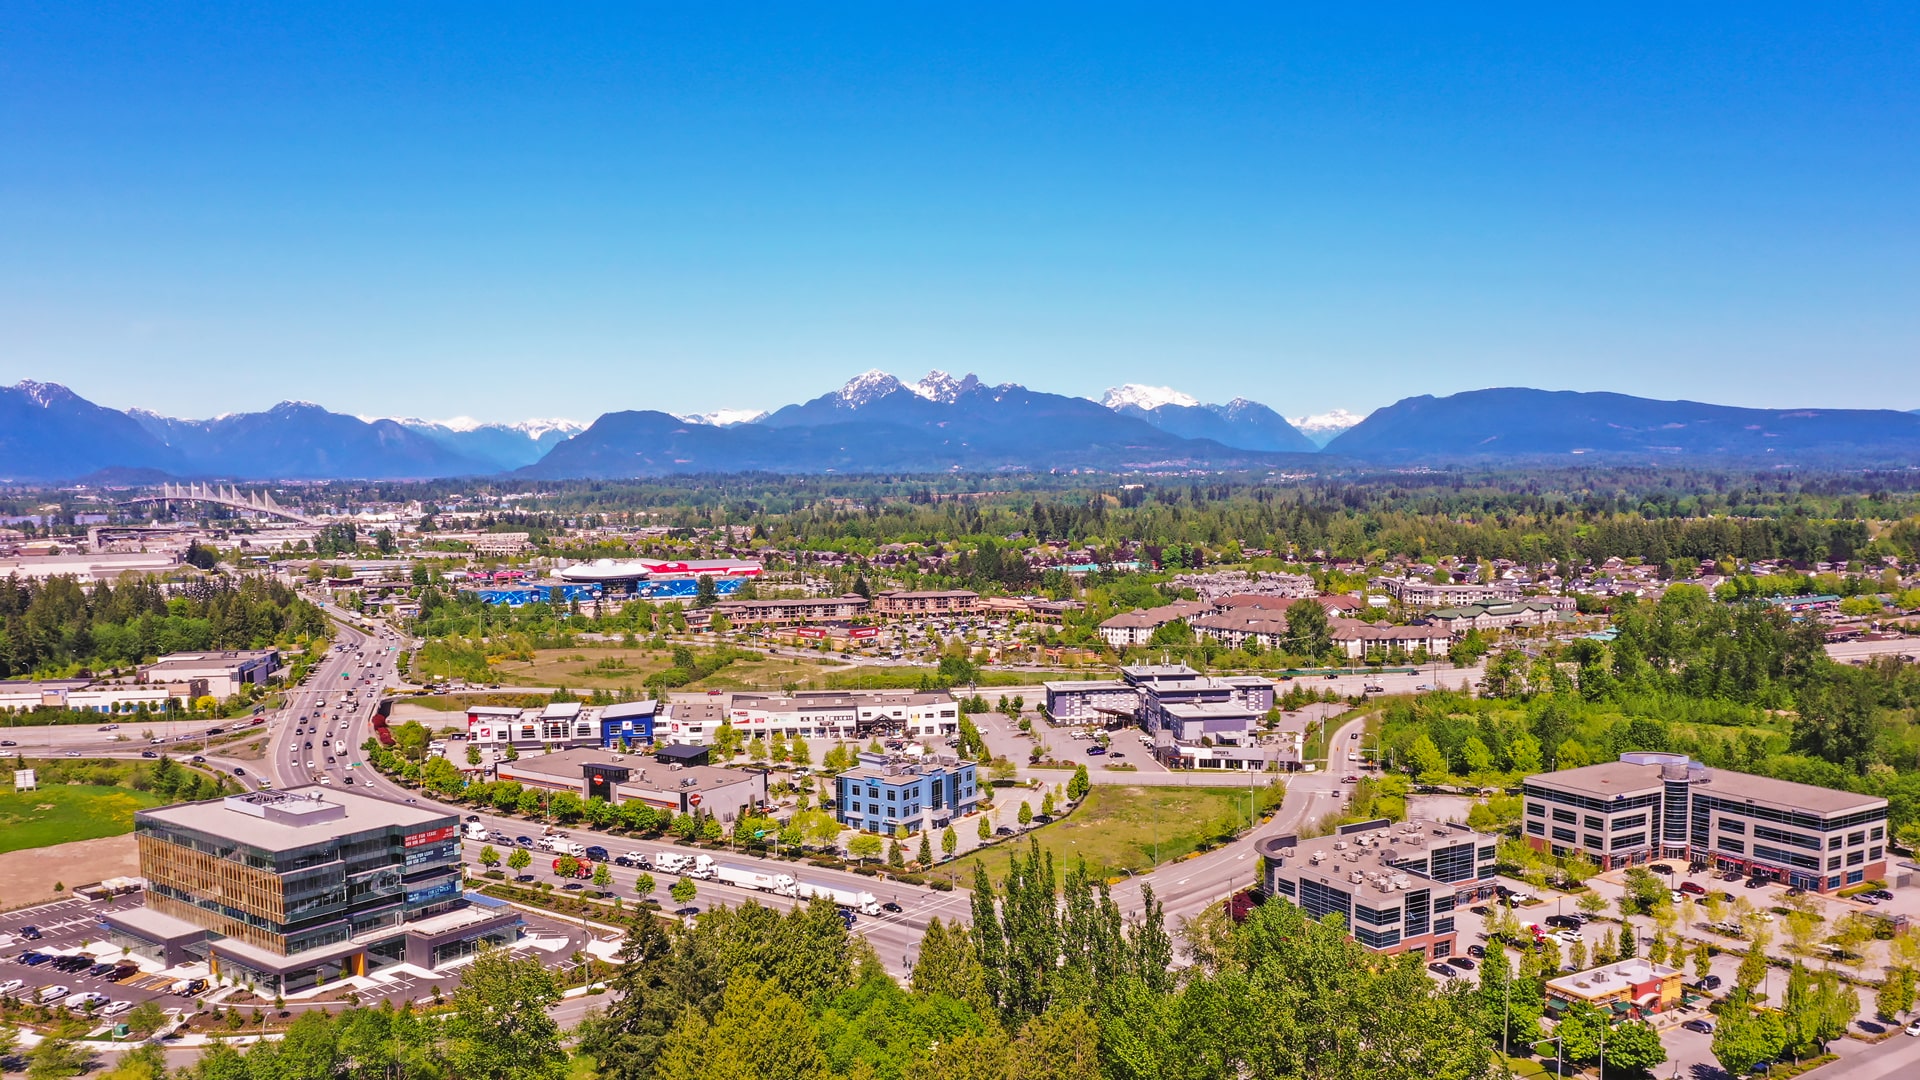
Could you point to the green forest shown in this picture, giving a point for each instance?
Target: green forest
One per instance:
(58, 627)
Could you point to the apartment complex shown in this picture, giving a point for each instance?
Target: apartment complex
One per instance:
(826, 609)
(286, 889)
(1415, 592)
(1397, 885)
(1654, 805)
(1131, 628)
(927, 602)
(886, 793)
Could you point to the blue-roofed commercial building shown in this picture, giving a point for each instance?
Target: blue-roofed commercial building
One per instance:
(885, 793)
(630, 722)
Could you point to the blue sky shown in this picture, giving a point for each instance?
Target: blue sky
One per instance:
(510, 212)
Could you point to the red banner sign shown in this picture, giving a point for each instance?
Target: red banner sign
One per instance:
(431, 836)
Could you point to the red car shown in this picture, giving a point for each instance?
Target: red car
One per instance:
(1691, 887)
(1349, 779)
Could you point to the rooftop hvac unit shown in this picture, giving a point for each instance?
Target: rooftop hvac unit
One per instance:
(1316, 857)
(1339, 845)
(1356, 877)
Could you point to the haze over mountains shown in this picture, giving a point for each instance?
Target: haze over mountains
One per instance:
(879, 423)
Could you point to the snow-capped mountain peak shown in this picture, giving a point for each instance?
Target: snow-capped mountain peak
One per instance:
(722, 417)
(939, 387)
(44, 394)
(867, 388)
(1322, 427)
(540, 429)
(1144, 397)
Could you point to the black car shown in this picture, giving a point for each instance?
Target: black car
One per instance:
(622, 860)
(1757, 883)
(1710, 982)
(1043, 819)
(597, 853)
(1460, 962)
(98, 970)
(1565, 921)
(1003, 831)
(149, 754)
(473, 817)
(523, 841)
(1731, 875)
(1477, 950)
(1661, 868)
(1442, 970)
(238, 771)
(198, 759)
(30, 932)
(123, 971)
(685, 911)
(891, 906)
(572, 886)
(1879, 894)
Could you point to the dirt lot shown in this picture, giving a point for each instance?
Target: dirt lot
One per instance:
(28, 876)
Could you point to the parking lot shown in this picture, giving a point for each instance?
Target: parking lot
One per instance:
(71, 928)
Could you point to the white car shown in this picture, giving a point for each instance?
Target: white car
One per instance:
(11, 986)
(1914, 1028)
(309, 764)
(115, 1008)
(1564, 937)
(325, 779)
(54, 992)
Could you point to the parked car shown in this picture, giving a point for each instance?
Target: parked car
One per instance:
(49, 994)
(1693, 888)
(1460, 962)
(1479, 951)
(1710, 982)
(1704, 1027)
(115, 1008)
(30, 932)
(1568, 922)
(1441, 970)
(1661, 868)
(11, 986)
(1096, 751)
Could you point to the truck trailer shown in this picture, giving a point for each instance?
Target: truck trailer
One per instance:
(857, 899)
(764, 881)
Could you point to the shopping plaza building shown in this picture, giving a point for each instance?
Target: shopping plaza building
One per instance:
(288, 889)
(1650, 806)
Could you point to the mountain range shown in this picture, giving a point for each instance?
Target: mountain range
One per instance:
(879, 423)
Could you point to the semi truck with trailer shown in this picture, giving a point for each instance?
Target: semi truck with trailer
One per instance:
(858, 899)
(761, 880)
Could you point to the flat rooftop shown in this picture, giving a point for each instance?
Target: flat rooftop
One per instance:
(1611, 778)
(342, 813)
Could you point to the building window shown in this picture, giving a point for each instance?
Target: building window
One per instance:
(1732, 826)
(1878, 833)
(1565, 835)
(1855, 877)
(1592, 822)
(1537, 828)
(1631, 840)
(1855, 858)
(1833, 863)
(1566, 816)
(1875, 853)
(1736, 847)
(1535, 809)
(1593, 842)
(1856, 838)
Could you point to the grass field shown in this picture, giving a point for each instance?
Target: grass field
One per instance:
(616, 668)
(1116, 828)
(56, 815)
